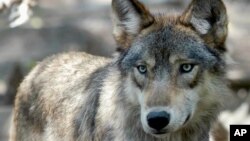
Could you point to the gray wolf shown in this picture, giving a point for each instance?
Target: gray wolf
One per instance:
(164, 84)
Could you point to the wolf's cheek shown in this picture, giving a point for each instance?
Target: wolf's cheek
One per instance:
(139, 79)
(134, 89)
(189, 80)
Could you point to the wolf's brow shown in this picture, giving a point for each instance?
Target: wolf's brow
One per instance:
(175, 58)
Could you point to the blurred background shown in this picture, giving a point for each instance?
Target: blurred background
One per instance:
(85, 25)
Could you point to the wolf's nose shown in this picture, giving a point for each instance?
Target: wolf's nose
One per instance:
(158, 120)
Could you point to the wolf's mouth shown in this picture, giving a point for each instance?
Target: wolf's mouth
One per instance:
(160, 132)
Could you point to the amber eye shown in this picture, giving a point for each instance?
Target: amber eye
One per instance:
(186, 68)
(142, 69)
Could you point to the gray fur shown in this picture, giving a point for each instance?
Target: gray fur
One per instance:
(79, 97)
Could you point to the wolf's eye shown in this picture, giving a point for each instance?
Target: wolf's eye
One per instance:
(142, 69)
(186, 68)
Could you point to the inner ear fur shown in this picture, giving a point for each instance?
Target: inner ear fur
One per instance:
(130, 17)
(209, 19)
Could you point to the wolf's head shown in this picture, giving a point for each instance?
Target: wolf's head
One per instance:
(173, 66)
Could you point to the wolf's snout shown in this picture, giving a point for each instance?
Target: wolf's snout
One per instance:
(158, 120)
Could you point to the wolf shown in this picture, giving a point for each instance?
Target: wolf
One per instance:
(165, 82)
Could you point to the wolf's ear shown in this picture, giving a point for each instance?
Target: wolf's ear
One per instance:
(130, 17)
(209, 19)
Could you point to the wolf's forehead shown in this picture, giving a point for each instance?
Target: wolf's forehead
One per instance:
(173, 38)
(174, 43)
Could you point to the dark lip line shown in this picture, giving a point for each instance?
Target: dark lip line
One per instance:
(188, 117)
(160, 132)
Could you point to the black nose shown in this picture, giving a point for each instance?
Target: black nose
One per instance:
(158, 120)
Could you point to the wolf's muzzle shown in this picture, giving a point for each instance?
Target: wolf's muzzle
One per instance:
(158, 120)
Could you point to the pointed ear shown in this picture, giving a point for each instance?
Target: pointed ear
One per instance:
(209, 19)
(130, 17)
